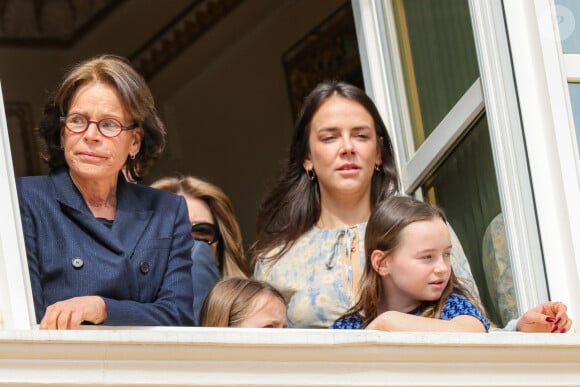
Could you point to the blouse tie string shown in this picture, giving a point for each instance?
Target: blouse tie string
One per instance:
(346, 234)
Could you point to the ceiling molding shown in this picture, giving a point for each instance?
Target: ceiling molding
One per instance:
(179, 34)
(50, 23)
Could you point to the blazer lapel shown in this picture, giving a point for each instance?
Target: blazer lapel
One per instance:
(131, 217)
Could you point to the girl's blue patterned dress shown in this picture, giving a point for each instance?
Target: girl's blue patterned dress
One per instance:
(455, 305)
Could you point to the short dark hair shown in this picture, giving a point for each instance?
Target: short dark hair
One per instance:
(135, 96)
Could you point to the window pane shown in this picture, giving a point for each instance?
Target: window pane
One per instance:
(575, 100)
(465, 187)
(439, 58)
(568, 17)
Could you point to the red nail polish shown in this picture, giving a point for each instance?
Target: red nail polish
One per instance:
(563, 330)
(554, 328)
(550, 319)
(558, 320)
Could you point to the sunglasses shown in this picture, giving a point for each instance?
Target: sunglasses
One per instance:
(205, 232)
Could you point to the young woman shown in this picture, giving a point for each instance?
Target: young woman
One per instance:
(311, 226)
(408, 283)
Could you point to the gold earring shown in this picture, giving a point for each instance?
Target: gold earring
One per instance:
(377, 168)
(133, 156)
(311, 174)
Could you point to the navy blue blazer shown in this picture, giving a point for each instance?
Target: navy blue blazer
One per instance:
(140, 266)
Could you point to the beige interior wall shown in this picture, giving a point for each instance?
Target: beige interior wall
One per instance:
(224, 100)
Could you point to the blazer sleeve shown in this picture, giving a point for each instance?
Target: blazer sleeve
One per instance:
(205, 274)
(174, 302)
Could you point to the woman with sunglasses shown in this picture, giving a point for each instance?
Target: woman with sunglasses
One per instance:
(100, 249)
(214, 223)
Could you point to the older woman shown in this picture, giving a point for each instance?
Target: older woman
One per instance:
(101, 250)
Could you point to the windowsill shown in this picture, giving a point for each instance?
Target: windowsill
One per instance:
(236, 356)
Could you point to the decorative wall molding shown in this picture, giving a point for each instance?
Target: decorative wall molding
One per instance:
(328, 52)
(285, 357)
(179, 34)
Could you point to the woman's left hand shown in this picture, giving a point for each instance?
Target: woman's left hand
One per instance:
(71, 313)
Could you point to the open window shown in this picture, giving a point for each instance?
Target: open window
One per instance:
(470, 131)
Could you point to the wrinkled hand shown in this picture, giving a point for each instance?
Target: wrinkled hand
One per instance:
(547, 317)
(71, 313)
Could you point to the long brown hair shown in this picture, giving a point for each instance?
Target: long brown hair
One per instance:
(383, 233)
(293, 206)
(230, 249)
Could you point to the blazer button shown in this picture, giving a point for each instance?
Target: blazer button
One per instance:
(77, 263)
(144, 266)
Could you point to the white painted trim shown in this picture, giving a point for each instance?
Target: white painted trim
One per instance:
(510, 159)
(444, 136)
(285, 357)
(550, 140)
(375, 59)
(572, 64)
(16, 307)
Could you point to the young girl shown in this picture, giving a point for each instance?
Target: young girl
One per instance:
(408, 283)
(244, 303)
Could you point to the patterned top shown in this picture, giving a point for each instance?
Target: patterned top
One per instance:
(315, 275)
(455, 305)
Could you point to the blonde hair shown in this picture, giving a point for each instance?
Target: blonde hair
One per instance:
(230, 249)
(230, 301)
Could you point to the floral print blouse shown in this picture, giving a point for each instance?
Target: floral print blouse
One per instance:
(316, 277)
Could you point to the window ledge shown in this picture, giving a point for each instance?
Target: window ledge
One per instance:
(291, 357)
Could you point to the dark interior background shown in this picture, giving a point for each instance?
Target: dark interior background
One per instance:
(228, 76)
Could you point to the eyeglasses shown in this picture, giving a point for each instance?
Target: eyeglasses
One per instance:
(205, 232)
(108, 127)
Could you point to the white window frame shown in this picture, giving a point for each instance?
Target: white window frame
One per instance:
(547, 121)
(16, 306)
(384, 82)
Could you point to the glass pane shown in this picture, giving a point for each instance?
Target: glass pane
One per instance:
(568, 17)
(438, 57)
(465, 187)
(575, 100)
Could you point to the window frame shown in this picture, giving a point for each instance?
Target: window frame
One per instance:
(16, 305)
(497, 88)
(548, 128)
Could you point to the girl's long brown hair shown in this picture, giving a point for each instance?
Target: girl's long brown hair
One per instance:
(383, 232)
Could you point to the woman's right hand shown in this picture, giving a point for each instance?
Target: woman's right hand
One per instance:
(71, 313)
(547, 317)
